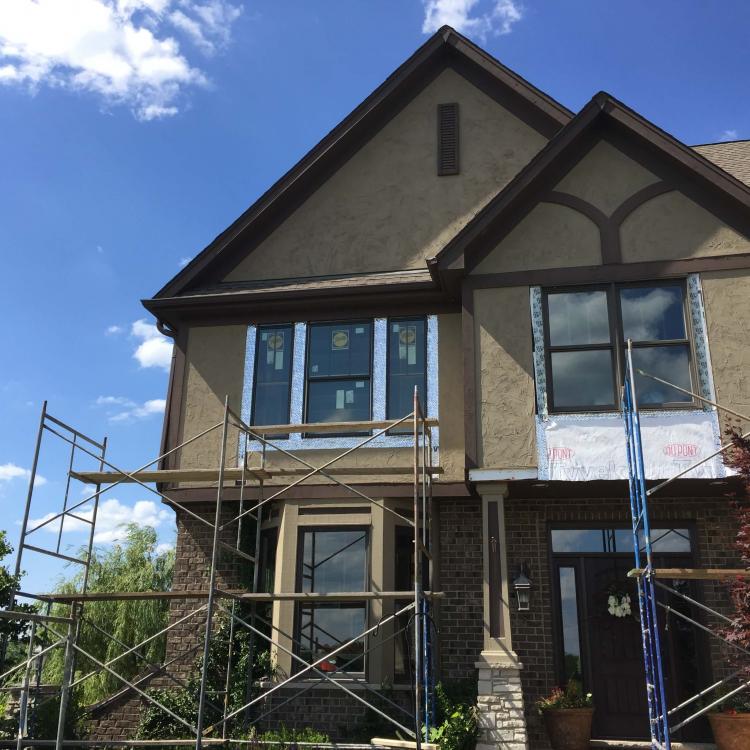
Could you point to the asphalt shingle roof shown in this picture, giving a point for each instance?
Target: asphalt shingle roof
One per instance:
(732, 157)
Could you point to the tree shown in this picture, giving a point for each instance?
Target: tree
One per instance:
(12, 632)
(133, 565)
(738, 458)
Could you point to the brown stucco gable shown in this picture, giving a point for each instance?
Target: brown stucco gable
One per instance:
(676, 167)
(446, 48)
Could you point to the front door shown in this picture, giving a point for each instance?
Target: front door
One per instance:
(599, 634)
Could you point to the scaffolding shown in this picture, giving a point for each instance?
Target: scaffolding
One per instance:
(412, 725)
(647, 576)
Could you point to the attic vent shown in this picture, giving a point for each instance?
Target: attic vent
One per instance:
(447, 156)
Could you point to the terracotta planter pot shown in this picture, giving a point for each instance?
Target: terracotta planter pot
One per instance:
(569, 728)
(731, 731)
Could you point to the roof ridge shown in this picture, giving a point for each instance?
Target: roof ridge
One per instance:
(721, 143)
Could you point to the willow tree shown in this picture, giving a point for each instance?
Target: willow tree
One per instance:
(132, 565)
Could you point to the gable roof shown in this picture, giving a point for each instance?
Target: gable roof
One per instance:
(731, 156)
(446, 48)
(682, 167)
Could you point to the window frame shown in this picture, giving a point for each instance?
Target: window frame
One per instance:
(329, 378)
(423, 396)
(616, 345)
(258, 330)
(302, 529)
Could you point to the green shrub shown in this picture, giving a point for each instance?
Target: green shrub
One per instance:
(156, 724)
(287, 737)
(456, 706)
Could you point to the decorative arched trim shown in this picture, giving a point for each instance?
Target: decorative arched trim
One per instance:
(609, 226)
(577, 204)
(609, 241)
(644, 195)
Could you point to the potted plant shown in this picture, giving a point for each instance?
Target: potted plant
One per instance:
(567, 715)
(731, 723)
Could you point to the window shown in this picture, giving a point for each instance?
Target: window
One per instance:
(570, 629)
(586, 336)
(339, 365)
(407, 358)
(332, 561)
(273, 375)
(609, 540)
(349, 371)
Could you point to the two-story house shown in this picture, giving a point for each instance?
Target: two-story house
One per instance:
(463, 232)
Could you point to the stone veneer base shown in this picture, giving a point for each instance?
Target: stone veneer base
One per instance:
(502, 722)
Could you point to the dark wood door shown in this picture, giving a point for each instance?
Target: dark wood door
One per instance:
(614, 656)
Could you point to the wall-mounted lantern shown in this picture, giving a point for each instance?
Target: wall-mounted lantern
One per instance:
(522, 585)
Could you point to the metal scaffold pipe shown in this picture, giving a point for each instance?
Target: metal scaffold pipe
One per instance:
(422, 472)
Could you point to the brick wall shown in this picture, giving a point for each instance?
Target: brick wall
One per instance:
(527, 523)
(460, 577)
(191, 573)
(340, 715)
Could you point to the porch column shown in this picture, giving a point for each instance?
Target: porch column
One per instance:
(500, 700)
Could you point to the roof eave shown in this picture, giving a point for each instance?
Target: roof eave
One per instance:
(444, 42)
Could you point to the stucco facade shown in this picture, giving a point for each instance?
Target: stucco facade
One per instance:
(378, 234)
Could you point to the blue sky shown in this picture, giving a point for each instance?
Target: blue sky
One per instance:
(134, 131)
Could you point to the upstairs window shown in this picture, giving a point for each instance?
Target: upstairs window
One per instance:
(273, 375)
(407, 365)
(339, 372)
(586, 332)
(348, 371)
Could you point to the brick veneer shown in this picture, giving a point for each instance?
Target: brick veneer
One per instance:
(460, 577)
(527, 524)
(459, 541)
(191, 573)
(459, 620)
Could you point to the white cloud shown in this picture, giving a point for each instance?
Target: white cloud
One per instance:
(10, 471)
(130, 411)
(113, 401)
(207, 25)
(154, 350)
(184, 262)
(124, 51)
(112, 519)
(146, 409)
(472, 16)
(113, 330)
(729, 135)
(164, 547)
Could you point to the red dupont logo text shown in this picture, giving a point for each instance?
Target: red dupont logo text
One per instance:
(681, 450)
(559, 454)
